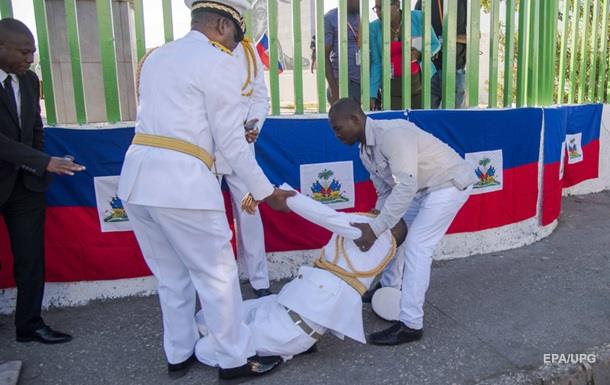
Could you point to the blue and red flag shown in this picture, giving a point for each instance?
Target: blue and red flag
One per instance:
(512, 135)
(262, 46)
(582, 142)
(555, 123)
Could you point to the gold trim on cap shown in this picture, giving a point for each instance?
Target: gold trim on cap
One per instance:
(221, 7)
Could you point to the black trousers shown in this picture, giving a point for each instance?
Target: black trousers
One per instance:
(24, 215)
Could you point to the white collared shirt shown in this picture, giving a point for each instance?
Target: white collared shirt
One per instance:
(16, 90)
(403, 159)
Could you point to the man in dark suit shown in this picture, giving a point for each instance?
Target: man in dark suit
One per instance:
(25, 174)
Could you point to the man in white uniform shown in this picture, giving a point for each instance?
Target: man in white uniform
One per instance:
(418, 178)
(321, 298)
(250, 233)
(190, 106)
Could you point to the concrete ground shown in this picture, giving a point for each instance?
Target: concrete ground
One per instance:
(489, 319)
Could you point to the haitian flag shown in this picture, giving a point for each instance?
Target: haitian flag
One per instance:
(582, 142)
(555, 123)
(76, 248)
(262, 46)
(503, 148)
(287, 144)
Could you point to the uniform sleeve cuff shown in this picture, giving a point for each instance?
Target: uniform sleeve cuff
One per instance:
(262, 192)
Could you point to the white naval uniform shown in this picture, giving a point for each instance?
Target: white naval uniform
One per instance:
(424, 181)
(189, 90)
(323, 300)
(250, 234)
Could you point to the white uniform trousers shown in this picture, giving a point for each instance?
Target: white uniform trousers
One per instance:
(273, 331)
(189, 253)
(428, 218)
(250, 236)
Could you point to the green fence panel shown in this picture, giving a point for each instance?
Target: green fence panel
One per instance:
(534, 54)
(343, 33)
(594, 54)
(6, 9)
(138, 10)
(449, 49)
(472, 52)
(426, 54)
(298, 57)
(274, 80)
(584, 37)
(75, 60)
(523, 52)
(365, 58)
(40, 15)
(494, 38)
(602, 74)
(168, 25)
(320, 57)
(108, 56)
(387, 72)
(406, 54)
(509, 53)
(563, 52)
(574, 50)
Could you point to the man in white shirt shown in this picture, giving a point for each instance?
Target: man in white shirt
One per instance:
(189, 107)
(250, 233)
(418, 178)
(325, 297)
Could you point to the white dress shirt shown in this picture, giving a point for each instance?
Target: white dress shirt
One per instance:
(16, 90)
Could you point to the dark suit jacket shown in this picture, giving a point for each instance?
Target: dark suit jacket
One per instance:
(22, 147)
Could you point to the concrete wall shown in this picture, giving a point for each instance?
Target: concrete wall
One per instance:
(91, 60)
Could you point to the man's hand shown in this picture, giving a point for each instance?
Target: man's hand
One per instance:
(277, 200)
(63, 166)
(368, 238)
(252, 135)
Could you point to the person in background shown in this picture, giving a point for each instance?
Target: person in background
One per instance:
(396, 72)
(460, 53)
(25, 175)
(331, 42)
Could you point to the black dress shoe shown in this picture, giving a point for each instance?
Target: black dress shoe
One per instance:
(46, 335)
(256, 366)
(398, 333)
(312, 349)
(368, 295)
(180, 369)
(262, 292)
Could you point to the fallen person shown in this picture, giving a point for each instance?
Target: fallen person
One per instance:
(325, 297)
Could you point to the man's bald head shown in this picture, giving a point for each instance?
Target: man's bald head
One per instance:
(16, 46)
(347, 120)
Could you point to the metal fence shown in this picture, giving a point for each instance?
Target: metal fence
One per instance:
(553, 52)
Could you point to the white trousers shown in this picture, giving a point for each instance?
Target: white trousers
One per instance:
(189, 253)
(250, 236)
(273, 331)
(428, 218)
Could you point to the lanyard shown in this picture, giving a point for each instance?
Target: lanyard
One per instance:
(356, 34)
